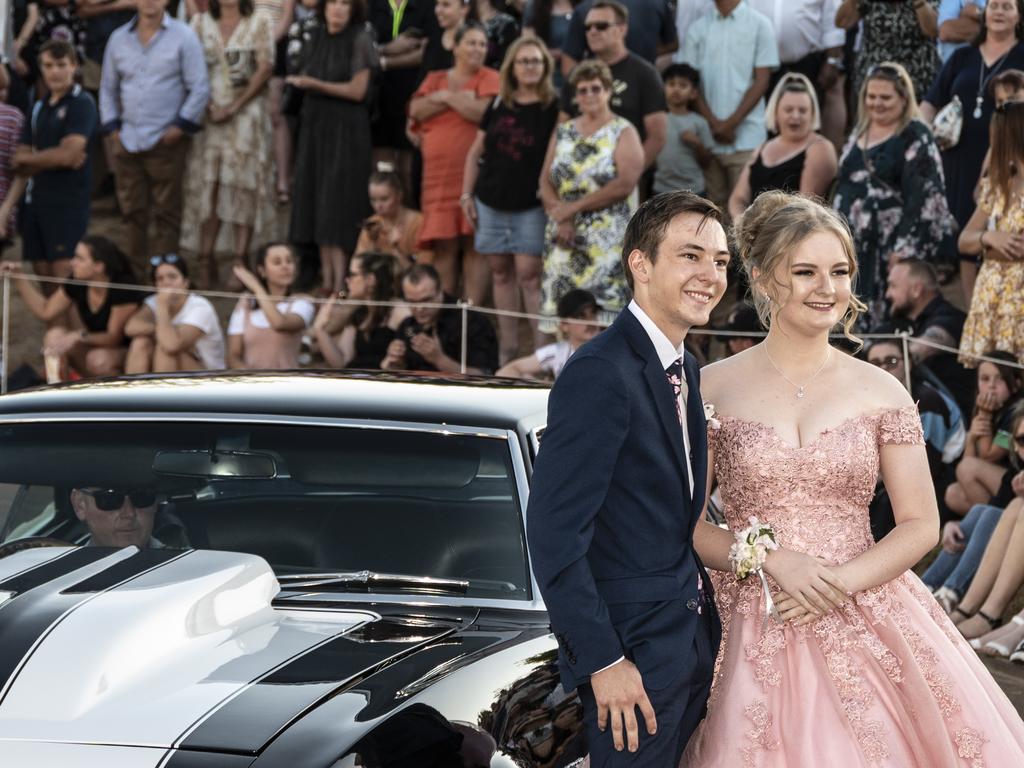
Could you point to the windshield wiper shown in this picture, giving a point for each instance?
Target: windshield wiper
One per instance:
(370, 581)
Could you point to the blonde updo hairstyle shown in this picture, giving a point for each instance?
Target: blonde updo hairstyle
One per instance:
(767, 234)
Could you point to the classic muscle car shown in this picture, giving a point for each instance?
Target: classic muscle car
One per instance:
(337, 576)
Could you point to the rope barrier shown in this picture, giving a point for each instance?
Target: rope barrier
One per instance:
(464, 308)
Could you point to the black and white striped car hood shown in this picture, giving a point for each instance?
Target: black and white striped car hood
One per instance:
(147, 659)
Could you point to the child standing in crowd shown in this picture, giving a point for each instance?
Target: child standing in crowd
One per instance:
(687, 150)
(577, 311)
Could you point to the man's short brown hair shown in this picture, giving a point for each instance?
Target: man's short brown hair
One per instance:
(647, 228)
(621, 12)
(59, 49)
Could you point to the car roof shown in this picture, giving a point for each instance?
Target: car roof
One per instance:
(436, 399)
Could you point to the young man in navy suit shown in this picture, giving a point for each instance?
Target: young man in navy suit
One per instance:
(618, 487)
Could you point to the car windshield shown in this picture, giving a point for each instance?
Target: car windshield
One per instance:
(311, 500)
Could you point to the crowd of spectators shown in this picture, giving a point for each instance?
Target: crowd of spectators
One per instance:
(407, 155)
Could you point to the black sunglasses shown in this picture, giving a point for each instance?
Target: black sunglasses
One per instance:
(886, 70)
(111, 500)
(164, 258)
(600, 26)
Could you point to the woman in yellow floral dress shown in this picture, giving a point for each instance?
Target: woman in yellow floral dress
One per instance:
(996, 231)
(590, 172)
(229, 177)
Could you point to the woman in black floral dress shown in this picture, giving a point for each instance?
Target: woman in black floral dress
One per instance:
(903, 31)
(891, 189)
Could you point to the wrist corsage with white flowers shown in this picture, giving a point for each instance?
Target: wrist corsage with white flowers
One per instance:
(709, 416)
(748, 556)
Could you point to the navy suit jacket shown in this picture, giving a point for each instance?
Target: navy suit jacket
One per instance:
(610, 520)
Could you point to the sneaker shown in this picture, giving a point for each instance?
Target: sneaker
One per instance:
(947, 598)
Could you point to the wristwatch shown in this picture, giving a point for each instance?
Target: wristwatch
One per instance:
(837, 62)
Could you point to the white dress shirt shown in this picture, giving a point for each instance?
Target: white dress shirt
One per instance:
(802, 26)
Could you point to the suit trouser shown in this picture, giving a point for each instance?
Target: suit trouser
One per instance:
(721, 175)
(149, 185)
(679, 707)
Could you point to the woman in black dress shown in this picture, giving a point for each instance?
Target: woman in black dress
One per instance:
(968, 76)
(366, 332)
(333, 161)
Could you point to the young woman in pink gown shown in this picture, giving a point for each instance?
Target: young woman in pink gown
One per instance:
(800, 434)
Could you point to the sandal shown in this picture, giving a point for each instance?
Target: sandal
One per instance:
(998, 648)
(993, 623)
(964, 615)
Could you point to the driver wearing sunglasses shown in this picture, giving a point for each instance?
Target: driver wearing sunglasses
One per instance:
(117, 517)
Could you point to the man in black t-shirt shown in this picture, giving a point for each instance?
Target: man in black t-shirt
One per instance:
(52, 164)
(431, 339)
(637, 93)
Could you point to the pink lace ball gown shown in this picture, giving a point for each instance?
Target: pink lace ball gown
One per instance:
(885, 681)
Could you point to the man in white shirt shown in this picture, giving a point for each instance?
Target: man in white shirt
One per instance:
(734, 49)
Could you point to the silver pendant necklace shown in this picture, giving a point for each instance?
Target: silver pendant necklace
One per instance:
(800, 388)
(983, 81)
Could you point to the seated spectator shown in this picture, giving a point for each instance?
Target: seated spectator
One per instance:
(393, 228)
(984, 468)
(499, 186)
(941, 420)
(53, 163)
(431, 339)
(919, 308)
(94, 344)
(448, 106)
(117, 517)
(687, 150)
(174, 330)
(997, 304)
(798, 158)
(548, 361)
(963, 546)
(590, 173)
(265, 330)
(1001, 570)
(365, 332)
(891, 189)
(11, 124)
(230, 160)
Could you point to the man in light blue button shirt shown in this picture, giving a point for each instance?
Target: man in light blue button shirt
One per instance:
(959, 23)
(152, 96)
(734, 49)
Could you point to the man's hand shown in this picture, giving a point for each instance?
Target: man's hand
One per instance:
(619, 691)
(827, 75)
(171, 136)
(395, 355)
(952, 537)
(427, 346)
(723, 131)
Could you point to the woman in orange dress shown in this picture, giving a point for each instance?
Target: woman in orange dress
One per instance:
(448, 106)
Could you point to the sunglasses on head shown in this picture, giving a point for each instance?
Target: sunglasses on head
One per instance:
(884, 70)
(1009, 105)
(111, 499)
(164, 258)
(600, 26)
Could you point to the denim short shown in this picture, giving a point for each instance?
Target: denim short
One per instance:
(510, 231)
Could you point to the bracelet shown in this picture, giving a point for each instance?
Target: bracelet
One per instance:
(751, 549)
(465, 196)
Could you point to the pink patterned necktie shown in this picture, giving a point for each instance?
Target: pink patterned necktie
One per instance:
(675, 379)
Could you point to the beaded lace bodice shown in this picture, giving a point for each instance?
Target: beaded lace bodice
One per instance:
(815, 496)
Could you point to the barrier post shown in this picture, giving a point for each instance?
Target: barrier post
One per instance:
(5, 342)
(465, 342)
(905, 339)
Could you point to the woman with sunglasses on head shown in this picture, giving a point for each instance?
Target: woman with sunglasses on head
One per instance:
(86, 321)
(360, 338)
(968, 76)
(265, 330)
(174, 330)
(499, 185)
(587, 187)
(798, 158)
(995, 232)
(890, 188)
